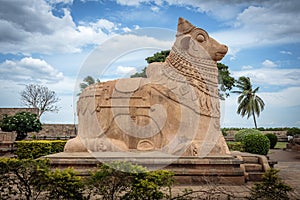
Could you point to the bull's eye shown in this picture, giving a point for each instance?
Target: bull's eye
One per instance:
(200, 38)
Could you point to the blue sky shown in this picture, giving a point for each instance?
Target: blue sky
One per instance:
(58, 42)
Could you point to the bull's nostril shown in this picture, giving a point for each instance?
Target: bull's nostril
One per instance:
(225, 48)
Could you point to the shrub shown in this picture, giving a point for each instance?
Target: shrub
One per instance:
(22, 178)
(37, 148)
(29, 178)
(239, 136)
(273, 140)
(235, 146)
(271, 187)
(6, 187)
(151, 185)
(123, 180)
(64, 184)
(256, 143)
(22, 123)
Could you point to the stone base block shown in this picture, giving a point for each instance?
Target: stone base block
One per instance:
(217, 169)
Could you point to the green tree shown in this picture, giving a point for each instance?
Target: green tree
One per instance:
(140, 74)
(250, 103)
(87, 81)
(22, 123)
(158, 57)
(226, 82)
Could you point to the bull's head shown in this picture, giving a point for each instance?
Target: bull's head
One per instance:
(197, 43)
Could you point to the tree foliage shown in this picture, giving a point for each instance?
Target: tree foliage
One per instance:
(41, 97)
(141, 74)
(250, 103)
(293, 131)
(87, 81)
(22, 123)
(158, 57)
(226, 82)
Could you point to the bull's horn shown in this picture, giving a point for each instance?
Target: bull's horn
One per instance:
(184, 26)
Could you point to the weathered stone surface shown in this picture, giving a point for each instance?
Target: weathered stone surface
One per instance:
(175, 110)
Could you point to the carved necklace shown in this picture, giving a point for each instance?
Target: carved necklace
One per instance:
(200, 73)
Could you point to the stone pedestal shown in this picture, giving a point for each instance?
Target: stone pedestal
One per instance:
(223, 169)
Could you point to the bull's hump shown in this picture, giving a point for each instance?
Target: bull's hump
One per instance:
(128, 85)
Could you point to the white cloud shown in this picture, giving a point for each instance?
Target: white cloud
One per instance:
(286, 52)
(103, 24)
(126, 29)
(261, 23)
(270, 76)
(34, 29)
(269, 63)
(31, 27)
(61, 1)
(125, 70)
(155, 8)
(67, 86)
(281, 109)
(126, 48)
(130, 2)
(29, 69)
(247, 67)
(283, 98)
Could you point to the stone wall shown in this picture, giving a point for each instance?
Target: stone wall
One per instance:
(12, 111)
(49, 131)
(55, 131)
(7, 142)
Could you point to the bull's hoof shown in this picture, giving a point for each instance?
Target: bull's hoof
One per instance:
(75, 145)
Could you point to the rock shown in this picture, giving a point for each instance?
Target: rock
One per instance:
(174, 110)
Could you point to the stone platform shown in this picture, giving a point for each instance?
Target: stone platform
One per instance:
(221, 169)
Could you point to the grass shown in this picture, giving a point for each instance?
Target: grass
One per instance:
(280, 145)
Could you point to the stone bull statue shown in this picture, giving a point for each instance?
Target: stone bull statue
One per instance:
(174, 110)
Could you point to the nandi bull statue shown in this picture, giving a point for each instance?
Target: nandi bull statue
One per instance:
(175, 110)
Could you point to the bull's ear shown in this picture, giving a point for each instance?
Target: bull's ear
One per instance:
(185, 42)
(184, 26)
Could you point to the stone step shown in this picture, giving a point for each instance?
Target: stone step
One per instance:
(254, 176)
(188, 170)
(251, 167)
(250, 159)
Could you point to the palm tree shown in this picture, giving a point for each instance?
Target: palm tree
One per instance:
(250, 103)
